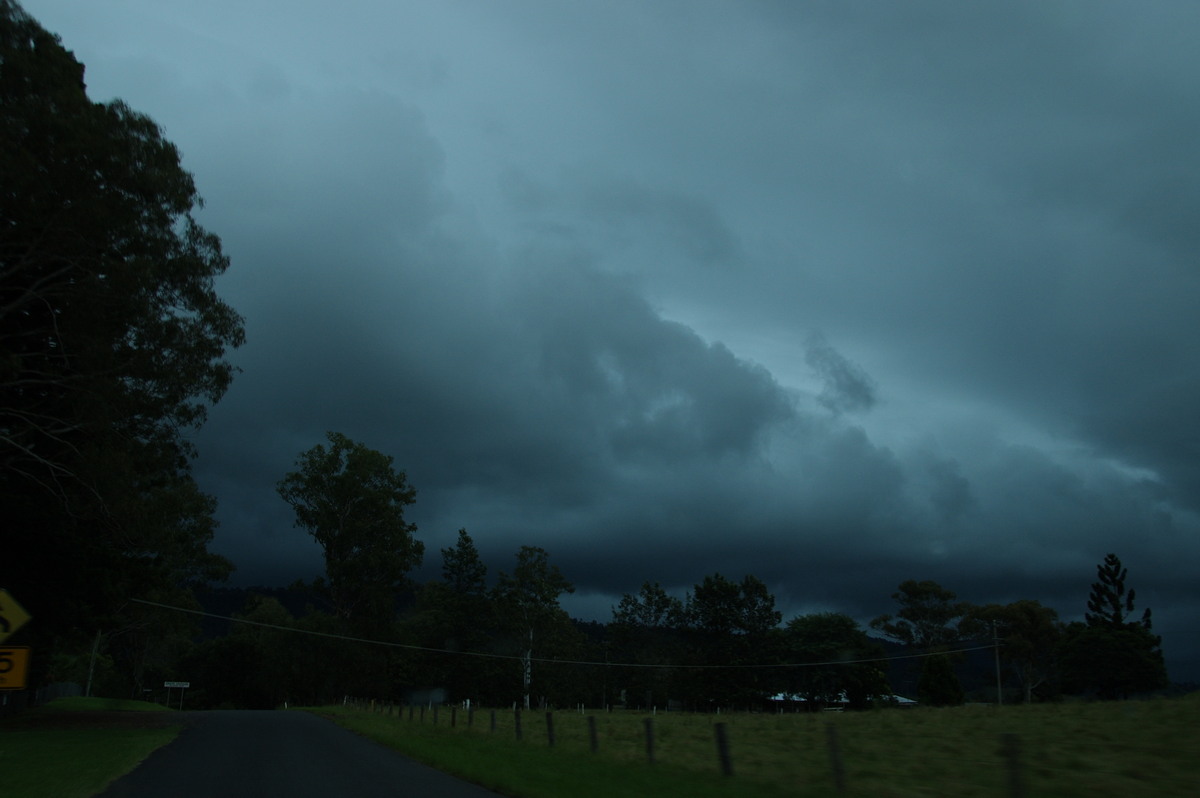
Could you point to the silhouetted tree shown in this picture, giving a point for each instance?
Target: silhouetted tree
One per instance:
(457, 615)
(834, 639)
(938, 685)
(113, 342)
(1109, 605)
(928, 615)
(928, 618)
(1029, 637)
(528, 598)
(733, 623)
(1110, 655)
(463, 570)
(646, 629)
(351, 500)
(651, 608)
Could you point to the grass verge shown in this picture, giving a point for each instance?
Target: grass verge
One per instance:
(81, 704)
(530, 770)
(75, 747)
(1136, 749)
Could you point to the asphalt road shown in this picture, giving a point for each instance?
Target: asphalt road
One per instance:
(294, 754)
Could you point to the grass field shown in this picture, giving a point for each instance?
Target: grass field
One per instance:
(74, 747)
(79, 704)
(1130, 749)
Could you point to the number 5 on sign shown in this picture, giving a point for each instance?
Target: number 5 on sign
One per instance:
(14, 664)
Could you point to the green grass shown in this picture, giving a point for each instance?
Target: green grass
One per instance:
(59, 751)
(1132, 749)
(79, 704)
(500, 763)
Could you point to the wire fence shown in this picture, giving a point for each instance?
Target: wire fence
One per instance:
(986, 752)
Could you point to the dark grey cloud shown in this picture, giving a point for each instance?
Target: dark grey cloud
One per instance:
(649, 387)
(620, 215)
(563, 263)
(942, 484)
(694, 225)
(846, 387)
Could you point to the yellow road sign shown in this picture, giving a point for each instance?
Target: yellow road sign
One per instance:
(14, 665)
(12, 615)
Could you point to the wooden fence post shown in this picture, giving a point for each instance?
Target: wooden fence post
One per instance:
(723, 750)
(550, 728)
(592, 733)
(835, 758)
(1010, 749)
(517, 722)
(453, 716)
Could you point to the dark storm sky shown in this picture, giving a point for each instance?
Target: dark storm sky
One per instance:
(833, 293)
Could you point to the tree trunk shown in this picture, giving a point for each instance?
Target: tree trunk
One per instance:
(92, 665)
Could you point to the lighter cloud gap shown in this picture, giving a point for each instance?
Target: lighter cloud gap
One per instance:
(903, 420)
(1133, 473)
(782, 354)
(959, 425)
(795, 608)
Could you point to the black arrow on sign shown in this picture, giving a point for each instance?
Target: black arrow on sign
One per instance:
(4, 625)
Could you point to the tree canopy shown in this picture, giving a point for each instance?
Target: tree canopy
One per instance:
(720, 606)
(651, 609)
(929, 618)
(528, 597)
(1110, 655)
(1029, 634)
(928, 615)
(108, 313)
(351, 500)
(732, 623)
(113, 340)
(1109, 605)
(648, 629)
(462, 567)
(819, 639)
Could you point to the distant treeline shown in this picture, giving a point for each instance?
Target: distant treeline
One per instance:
(722, 646)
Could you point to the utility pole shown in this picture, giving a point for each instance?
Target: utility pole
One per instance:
(996, 649)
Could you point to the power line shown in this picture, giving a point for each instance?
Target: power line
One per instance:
(429, 650)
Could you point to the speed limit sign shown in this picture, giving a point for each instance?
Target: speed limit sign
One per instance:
(14, 665)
